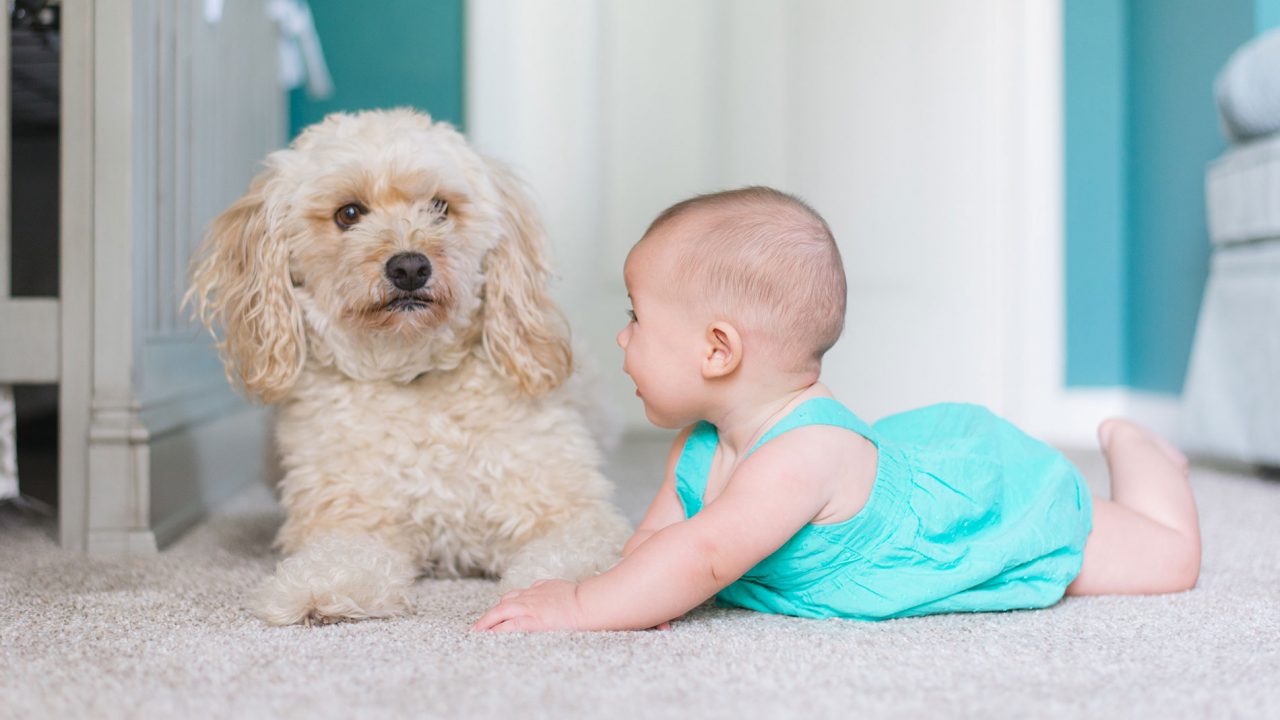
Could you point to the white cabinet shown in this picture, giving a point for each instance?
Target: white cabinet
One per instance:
(164, 117)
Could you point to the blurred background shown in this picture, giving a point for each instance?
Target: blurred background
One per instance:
(1019, 187)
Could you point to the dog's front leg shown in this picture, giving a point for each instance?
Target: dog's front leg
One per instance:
(587, 542)
(334, 576)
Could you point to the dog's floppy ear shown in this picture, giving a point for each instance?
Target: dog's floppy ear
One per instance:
(240, 282)
(525, 336)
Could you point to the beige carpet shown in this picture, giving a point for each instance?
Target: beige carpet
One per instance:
(168, 637)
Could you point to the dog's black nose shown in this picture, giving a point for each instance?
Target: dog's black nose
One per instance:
(408, 271)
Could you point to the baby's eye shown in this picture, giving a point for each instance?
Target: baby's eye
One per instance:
(631, 315)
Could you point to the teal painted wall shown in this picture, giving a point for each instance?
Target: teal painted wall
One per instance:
(1139, 127)
(1176, 47)
(1268, 14)
(388, 53)
(1095, 126)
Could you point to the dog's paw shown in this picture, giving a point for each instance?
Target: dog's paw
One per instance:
(522, 576)
(316, 619)
(589, 544)
(335, 579)
(281, 603)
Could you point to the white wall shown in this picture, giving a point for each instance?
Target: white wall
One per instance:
(925, 132)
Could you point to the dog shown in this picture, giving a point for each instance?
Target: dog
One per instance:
(384, 286)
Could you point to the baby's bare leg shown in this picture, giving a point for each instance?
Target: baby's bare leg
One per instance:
(1146, 539)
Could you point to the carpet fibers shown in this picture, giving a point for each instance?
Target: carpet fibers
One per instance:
(168, 637)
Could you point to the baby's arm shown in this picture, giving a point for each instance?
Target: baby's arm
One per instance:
(767, 501)
(666, 507)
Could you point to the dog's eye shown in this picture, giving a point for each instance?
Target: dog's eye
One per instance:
(440, 207)
(348, 215)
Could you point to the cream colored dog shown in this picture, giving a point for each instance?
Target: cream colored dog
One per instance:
(385, 286)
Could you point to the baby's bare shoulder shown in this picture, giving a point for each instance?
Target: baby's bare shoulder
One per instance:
(838, 464)
(819, 451)
(827, 467)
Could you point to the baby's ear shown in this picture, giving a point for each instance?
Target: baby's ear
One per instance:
(723, 353)
(240, 283)
(525, 335)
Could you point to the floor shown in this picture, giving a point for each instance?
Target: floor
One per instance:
(168, 636)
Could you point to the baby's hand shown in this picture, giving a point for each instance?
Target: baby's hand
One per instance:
(544, 605)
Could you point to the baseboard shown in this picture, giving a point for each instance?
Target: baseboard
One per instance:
(172, 525)
(1069, 419)
(197, 467)
(114, 543)
(1158, 411)
(204, 441)
(1072, 419)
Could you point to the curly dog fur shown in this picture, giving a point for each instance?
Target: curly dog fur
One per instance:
(421, 429)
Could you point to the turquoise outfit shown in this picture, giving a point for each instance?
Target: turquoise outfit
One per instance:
(966, 514)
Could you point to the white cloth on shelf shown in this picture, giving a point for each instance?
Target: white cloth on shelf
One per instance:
(301, 57)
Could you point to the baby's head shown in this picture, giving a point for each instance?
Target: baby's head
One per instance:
(760, 259)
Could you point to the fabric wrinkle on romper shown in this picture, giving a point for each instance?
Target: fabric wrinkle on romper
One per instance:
(966, 514)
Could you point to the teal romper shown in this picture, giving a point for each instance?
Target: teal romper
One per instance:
(967, 514)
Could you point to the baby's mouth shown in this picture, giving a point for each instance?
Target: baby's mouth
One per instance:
(408, 303)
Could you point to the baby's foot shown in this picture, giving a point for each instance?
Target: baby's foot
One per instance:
(1116, 429)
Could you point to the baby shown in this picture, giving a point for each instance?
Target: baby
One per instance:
(777, 498)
